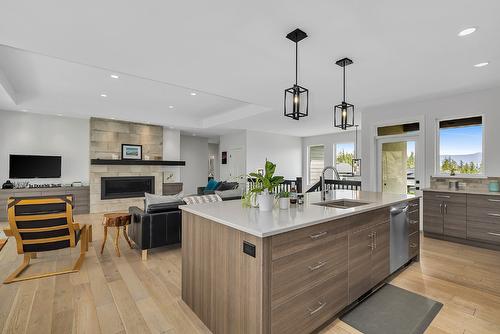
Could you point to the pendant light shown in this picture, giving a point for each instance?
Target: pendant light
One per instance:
(356, 163)
(343, 114)
(296, 97)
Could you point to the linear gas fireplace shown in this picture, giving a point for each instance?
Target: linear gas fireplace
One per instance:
(126, 186)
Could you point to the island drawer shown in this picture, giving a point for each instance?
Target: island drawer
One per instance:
(310, 309)
(449, 197)
(487, 231)
(297, 272)
(414, 244)
(483, 201)
(413, 219)
(302, 239)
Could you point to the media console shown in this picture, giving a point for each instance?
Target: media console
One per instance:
(81, 197)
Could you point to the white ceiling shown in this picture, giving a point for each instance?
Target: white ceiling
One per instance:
(237, 50)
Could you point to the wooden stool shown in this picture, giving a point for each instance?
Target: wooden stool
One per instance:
(116, 220)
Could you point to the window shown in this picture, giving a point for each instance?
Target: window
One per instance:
(461, 146)
(316, 162)
(344, 153)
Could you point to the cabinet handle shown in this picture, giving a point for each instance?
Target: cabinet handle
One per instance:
(442, 196)
(375, 237)
(445, 208)
(317, 309)
(319, 265)
(494, 214)
(414, 205)
(319, 235)
(441, 208)
(493, 200)
(371, 240)
(495, 234)
(413, 245)
(413, 222)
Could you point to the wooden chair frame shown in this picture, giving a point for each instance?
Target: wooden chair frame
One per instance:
(85, 235)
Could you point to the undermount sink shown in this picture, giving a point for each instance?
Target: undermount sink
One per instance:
(342, 203)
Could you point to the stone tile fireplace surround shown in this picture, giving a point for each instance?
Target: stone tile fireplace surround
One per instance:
(106, 138)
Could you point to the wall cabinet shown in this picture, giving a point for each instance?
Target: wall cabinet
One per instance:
(463, 217)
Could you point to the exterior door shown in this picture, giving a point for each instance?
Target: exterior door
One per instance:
(399, 165)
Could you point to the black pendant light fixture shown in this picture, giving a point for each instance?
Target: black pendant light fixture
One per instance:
(296, 97)
(343, 114)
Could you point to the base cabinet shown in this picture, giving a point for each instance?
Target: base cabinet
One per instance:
(368, 259)
(461, 217)
(293, 283)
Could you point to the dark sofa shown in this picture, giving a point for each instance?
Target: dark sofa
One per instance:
(160, 225)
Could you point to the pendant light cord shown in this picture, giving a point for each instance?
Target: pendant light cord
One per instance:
(296, 61)
(344, 84)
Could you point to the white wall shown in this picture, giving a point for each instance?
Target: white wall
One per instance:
(284, 151)
(194, 150)
(236, 140)
(172, 151)
(484, 102)
(27, 133)
(213, 149)
(329, 141)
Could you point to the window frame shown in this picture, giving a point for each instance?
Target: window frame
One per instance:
(309, 181)
(437, 153)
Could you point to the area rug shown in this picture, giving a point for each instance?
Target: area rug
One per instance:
(392, 310)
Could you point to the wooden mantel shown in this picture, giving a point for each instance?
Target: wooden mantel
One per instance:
(137, 162)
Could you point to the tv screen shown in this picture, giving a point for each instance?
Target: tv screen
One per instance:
(34, 166)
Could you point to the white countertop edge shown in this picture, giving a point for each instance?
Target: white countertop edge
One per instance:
(370, 207)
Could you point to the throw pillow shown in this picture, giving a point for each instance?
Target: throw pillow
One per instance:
(229, 193)
(160, 199)
(227, 186)
(202, 199)
(211, 185)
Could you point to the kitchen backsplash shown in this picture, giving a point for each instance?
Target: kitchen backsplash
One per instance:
(465, 183)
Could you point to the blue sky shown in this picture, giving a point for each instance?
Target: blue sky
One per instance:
(346, 147)
(465, 140)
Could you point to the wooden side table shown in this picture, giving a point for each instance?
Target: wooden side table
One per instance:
(117, 220)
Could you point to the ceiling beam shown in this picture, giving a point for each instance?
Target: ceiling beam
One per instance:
(7, 87)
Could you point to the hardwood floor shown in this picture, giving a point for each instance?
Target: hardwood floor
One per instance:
(125, 295)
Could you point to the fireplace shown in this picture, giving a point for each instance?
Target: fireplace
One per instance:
(126, 186)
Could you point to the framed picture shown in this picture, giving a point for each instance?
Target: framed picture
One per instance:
(131, 152)
(224, 158)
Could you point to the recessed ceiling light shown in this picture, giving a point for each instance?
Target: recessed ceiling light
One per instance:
(467, 31)
(114, 76)
(24, 110)
(59, 114)
(113, 118)
(194, 134)
(192, 93)
(483, 64)
(171, 107)
(171, 127)
(104, 95)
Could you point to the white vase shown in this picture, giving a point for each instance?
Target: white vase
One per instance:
(266, 201)
(284, 203)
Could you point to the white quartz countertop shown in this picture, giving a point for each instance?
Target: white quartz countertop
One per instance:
(264, 224)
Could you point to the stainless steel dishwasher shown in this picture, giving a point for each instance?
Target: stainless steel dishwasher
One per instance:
(399, 236)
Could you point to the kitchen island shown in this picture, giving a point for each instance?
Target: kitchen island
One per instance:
(286, 271)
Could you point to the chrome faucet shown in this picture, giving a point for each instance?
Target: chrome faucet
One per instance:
(323, 185)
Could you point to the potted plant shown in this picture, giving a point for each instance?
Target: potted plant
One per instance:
(263, 186)
(284, 200)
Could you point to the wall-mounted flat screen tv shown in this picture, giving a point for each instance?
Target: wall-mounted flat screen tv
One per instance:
(34, 166)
